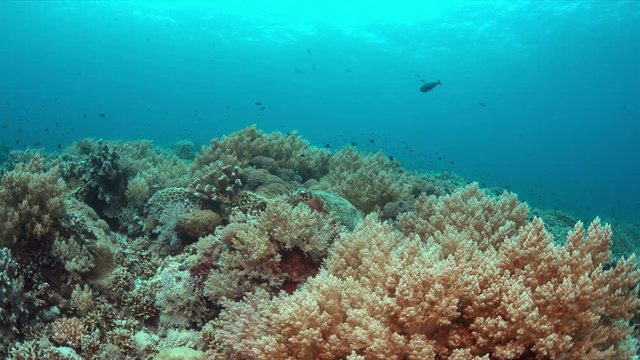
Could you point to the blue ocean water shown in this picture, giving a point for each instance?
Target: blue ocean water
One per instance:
(541, 97)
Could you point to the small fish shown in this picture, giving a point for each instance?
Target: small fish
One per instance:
(262, 108)
(314, 67)
(59, 146)
(84, 116)
(4, 126)
(391, 158)
(429, 86)
(372, 141)
(37, 143)
(258, 103)
(101, 115)
(482, 104)
(327, 146)
(439, 158)
(353, 143)
(347, 70)
(308, 51)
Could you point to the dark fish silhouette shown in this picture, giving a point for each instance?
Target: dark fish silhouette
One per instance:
(102, 115)
(429, 86)
(308, 51)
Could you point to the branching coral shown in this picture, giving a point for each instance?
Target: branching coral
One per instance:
(288, 150)
(467, 213)
(86, 247)
(384, 295)
(31, 204)
(170, 207)
(219, 184)
(277, 248)
(180, 306)
(369, 182)
(13, 309)
(117, 178)
(104, 180)
(68, 332)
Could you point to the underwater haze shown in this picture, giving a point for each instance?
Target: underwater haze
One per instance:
(539, 97)
(358, 180)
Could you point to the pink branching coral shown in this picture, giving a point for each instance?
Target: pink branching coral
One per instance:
(385, 295)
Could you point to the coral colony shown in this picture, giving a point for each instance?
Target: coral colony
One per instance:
(261, 246)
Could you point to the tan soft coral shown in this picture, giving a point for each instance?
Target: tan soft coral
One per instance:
(277, 248)
(289, 151)
(31, 203)
(368, 181)
(468, 212)
(385, 295)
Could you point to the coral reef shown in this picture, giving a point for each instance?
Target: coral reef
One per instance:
(262, 246)
(383, 295)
